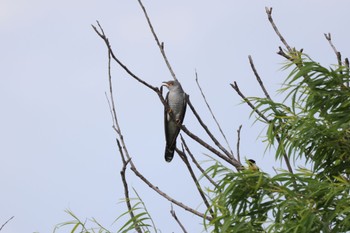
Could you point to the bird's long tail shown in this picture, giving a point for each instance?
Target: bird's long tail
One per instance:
(169, 153)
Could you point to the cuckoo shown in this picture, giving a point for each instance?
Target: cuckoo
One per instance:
(173, 118)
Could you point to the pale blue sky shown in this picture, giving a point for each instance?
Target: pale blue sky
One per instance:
(57, 147)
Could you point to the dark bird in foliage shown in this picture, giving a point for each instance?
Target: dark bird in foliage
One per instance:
(177, 101)
(252, 165)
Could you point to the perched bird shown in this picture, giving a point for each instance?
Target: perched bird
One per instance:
(177, 101)
(252, 165)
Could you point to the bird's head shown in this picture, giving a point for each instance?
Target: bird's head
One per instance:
(172, 85)
(252, 165)
(251, 161)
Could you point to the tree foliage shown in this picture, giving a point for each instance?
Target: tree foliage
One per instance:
(312, 123)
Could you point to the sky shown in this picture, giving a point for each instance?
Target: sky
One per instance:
(57, 145)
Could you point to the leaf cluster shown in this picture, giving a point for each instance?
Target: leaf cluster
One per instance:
(252, 201)
(313, 121)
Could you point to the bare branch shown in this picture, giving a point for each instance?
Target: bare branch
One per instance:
(172, 211)
(258, 77)
(6, 222)
(337, 53)
(105, 39)
(236, 88)
(194, 178)
(212, 114)
(160, 45)
(235, 163)
(155, 188)
(238, 142)
(196, 163)
(126, 188)
(269, 16)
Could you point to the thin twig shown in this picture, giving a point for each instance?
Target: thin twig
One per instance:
(337, 53)
(111, 102)
(258, 77)
(238, 142)
(110, 109)
(212, 114)
(194, 178)
(269, 15)
(196, 163)
(6, 222)
(160, 45)
(172, 212)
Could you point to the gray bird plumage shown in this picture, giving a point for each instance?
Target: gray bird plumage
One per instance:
(177, 101)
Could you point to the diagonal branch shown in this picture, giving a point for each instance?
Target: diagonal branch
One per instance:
(199, 188)
(258, 77)
(126, 188)
(235, 163)
(260, 114)
(196, 163)
(155, 188)
(269, 16)
(212, 114)
(337, 53)
(160, 45)
(105, 39)
(2, 226)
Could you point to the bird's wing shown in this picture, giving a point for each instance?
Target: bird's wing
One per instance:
(170, 126)
(183, 112)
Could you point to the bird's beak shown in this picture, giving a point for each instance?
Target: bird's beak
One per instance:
(165, 84)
